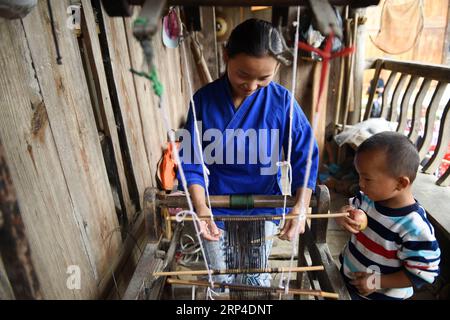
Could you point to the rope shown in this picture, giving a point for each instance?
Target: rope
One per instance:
(197, 133)
(180, 217)
(287, 163)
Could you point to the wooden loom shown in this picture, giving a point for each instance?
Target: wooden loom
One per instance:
(152, 280)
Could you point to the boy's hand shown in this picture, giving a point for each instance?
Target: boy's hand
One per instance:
(347, 222)
(364, 282)
(208, 228)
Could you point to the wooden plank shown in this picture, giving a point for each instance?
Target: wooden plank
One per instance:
(395, 102)
(18, 273)
(71, 119)
(144, 269)
(209, 40)
(417, 110)
(319, 228)
(52, 226)
(127, 103)
(404, 107)
(89, 31)
(6, 291)
(330, 279)
(301, 259)
(359, 66)
(153, 132)
(445, 55)
(319, 131)
(125, 260)
(335, 96)
(157, 289)
(430, 47)
(442, 143)
(427, 70)
(430, 119)
(387, 91)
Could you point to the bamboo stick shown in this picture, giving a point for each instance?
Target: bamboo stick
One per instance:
(237, 271)
(274, 217)
(316, 293)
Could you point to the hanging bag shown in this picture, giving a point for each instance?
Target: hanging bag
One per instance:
(400, 27)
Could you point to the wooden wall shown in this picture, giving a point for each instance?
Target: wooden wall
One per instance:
(54, 120)
(430, 46)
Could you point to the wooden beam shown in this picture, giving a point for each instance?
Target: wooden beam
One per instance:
(18, 277)
(49, 134)
(427, 70)
(90, 38)
(6, 291)
(320, 129)
(147, 263)
(209, 40)
(71, 119)
(113, 39)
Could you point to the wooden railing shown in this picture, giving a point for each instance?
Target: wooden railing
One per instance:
(407, 86)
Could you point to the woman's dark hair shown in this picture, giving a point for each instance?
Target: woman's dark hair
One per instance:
(254, 37)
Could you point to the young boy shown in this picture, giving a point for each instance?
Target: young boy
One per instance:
(398, 249)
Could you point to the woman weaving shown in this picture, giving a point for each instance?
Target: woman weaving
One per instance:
(244, 115)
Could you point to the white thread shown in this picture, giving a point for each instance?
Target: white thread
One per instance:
(180, 216)
(302, 216)
(291, 105)
(280, 283)
(291, 116)
(193, 293)
(197, 133)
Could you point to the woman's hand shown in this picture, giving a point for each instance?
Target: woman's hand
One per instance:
(208, 228)
(347, 222)
(292, 226)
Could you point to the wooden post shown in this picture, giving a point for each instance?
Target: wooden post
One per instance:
(360, 31)
(320, 129)
(168, 222)
(209, 40)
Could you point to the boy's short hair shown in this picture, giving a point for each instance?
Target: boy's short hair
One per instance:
(401, 155)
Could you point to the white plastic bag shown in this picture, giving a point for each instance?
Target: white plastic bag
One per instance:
(356, 134)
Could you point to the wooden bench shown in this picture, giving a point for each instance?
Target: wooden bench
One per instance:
(411, 90)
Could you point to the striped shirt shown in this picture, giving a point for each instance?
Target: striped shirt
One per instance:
(394, 240)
